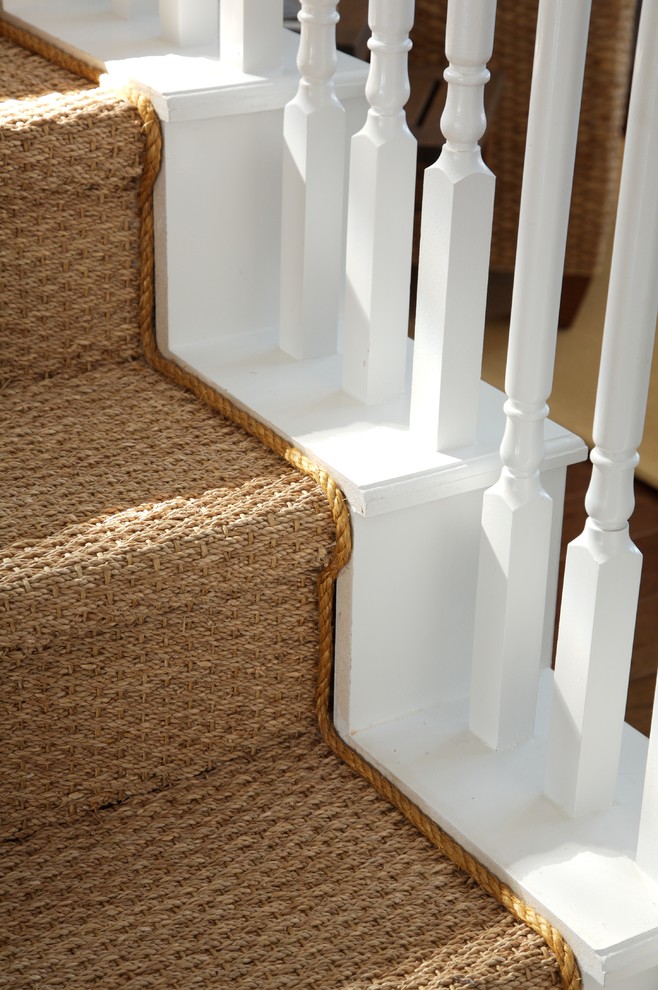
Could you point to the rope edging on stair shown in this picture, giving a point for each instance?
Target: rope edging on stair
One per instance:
(501, 892)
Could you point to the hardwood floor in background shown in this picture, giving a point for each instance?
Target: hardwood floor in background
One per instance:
(644, 533)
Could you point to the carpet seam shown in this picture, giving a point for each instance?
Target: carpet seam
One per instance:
(447, 846)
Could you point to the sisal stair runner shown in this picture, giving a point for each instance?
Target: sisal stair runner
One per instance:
(174, 813)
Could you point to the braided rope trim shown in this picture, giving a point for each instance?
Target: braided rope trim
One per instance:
(501, 892)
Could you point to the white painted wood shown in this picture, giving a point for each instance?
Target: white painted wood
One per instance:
(251, 35)
(380, 216)
(134, 8)
(403, 635)
(217, 230)
(218, 206)
(595, 641)
(369, 450)
(458, 196)
(189, 23)
(645, 979)
(92, 32)
(579, 873)
(404, 612)
(313, 210)
(516, 515)
(603, 566)
(647, 846)
(202, 88)
(218, 209)
(555, 490)
(387, 473)
(511, 593)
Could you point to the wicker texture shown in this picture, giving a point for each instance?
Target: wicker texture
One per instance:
(605, 91)
(281, 870)
(73, 267)
(133, 607)
(134, 440)
(118, 485)
(169, 592)
(25, 75)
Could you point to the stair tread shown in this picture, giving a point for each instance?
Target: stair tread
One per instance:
(176, 820)
(71, 163)
(77, 450)
(26, 75)
(280, 869)
(144, 540)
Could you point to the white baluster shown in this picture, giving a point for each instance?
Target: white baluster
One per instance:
(380, 216)
(312, 237)
(516, 516)
(251, 35)
(458, 196)
(602, 576)
(134, 8)
(647, 847)
(189, 22)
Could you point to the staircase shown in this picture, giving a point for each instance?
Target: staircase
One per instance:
(174, 813)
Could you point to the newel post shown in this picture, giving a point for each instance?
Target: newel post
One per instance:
(380, 216)
(189, 22)
(312, 219)
(517, 512)
(251, 35)
(458, 196)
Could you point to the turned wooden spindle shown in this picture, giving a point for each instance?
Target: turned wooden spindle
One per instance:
(458, 197)
(517, 513)
(603, 567)
(380, 216)
(312, 220)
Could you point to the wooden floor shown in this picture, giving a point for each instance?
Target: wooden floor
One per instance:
(644, 532)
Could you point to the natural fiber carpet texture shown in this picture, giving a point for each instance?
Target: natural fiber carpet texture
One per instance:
(71, 162)
(172, 817)
(137, 591)
(282, 869)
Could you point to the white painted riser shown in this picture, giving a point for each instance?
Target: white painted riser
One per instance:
(406, 605)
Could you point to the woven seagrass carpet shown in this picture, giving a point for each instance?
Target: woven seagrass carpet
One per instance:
(174, 813)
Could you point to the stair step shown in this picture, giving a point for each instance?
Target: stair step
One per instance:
(175, 817)
(283, 869)
(157, 589)
(71, 163)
